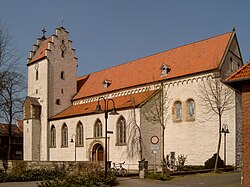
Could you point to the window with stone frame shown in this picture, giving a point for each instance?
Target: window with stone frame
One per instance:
(64, 135)
(53, 136)
(177, 111)
(190, 109)
(121, 131)
(79, 134)
(98, 129)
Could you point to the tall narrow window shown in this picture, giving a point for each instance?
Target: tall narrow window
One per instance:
(121, 131)
(98, 129)
(79, 134)
(62, 75)
(64, 135)
(191, 108)
(36, 74)
(53, 136)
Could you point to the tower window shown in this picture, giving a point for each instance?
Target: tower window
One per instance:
(36, 75)
(58, 102)
(62, 91)
(62, 75)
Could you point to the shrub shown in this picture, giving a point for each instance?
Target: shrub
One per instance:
(88, 178)
(210, 163)
(31, 175)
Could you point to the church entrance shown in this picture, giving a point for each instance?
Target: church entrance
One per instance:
(97, 153)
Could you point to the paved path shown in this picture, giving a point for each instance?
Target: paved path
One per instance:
(231, 179)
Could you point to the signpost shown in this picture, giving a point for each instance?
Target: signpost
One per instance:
(154, 146)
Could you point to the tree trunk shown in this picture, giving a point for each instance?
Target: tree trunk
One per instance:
(218, 147)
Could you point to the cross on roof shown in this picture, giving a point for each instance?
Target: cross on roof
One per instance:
(44, 31)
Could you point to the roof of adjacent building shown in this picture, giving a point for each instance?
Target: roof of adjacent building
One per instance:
(16, 130)
(241, 74)
(201, 56)
(33, 100)
(122, 102)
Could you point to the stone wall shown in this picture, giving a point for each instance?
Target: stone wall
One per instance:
(56, 165)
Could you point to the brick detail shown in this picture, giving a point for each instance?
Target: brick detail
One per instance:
(245, 136)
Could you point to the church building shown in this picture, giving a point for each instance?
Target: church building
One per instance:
(156, 99)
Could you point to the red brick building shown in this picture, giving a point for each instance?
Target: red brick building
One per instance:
(17, 141)
(240, 80)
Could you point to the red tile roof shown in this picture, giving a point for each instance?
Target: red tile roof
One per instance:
(40, 53)
(4, 130)
(241, 74)
(185, 60)
(120, 103)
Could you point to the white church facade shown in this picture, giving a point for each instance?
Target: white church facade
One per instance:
(60, 122)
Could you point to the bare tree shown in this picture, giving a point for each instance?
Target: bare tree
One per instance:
(8, 56)
(11, 80)
(11, 98)
(216, 98)
(156, 113)
(134, 147)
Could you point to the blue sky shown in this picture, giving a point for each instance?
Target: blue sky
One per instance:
(106, 33)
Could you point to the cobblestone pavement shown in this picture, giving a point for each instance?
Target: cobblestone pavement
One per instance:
(230, 179)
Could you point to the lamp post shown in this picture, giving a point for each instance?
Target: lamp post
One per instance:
(225, 130)
(72, 141)
(113, 112)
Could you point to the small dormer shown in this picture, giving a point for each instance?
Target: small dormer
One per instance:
(32, 108)
(165, 69)
(106, 83)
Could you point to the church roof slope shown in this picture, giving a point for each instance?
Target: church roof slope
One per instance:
(241, 74)
(193, 58)
(133, 100)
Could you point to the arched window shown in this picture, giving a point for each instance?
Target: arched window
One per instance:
(191, 108)
(53, 136)
(64, 135)
(121, 131)
(177, 111)
(79, 134)
(98, 129)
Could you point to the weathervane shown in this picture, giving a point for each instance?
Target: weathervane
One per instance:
(62, 21)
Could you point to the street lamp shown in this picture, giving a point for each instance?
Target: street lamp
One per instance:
(113, 112)
(225, 130)
(72, 141)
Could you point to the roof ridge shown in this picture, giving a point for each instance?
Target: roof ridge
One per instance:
(161, 52)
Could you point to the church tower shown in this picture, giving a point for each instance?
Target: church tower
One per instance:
(52, 67)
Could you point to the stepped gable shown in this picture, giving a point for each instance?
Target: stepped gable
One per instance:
(39, 49)
(120, 103)
(193, 58)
